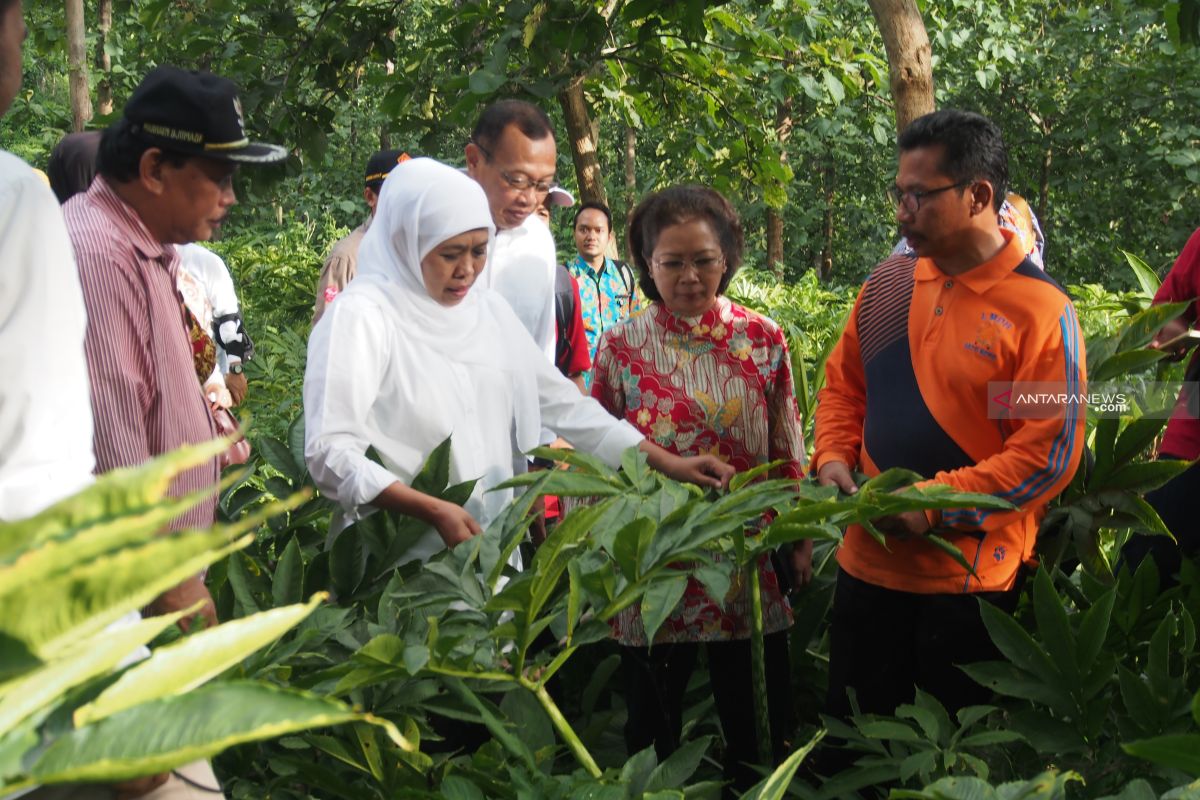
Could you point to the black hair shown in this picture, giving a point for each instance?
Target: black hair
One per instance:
(528, 118)
(674, 206)
(973, 147)
(120, 154)
(599, 207)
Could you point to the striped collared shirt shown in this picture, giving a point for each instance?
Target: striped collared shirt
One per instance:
(146, 398)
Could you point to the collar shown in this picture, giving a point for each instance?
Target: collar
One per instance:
(131, 224)
(983, 276)
(696, 326)
(584, 265)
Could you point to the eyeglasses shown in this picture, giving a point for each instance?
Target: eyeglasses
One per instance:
(676, 266)
(520, 183)
(911, 200)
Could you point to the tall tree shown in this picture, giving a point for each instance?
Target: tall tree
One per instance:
(81, 97)
(103, 62)
(909, 57)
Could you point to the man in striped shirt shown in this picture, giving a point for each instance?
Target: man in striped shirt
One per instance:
(165, 177)
(907, 386)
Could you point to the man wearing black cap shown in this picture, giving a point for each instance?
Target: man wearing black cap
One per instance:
(342, 263)
(165, 177)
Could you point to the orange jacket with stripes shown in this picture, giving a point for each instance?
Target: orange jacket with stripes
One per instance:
(907, 386)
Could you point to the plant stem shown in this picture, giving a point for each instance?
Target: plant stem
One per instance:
(758, 664)
(563, 727)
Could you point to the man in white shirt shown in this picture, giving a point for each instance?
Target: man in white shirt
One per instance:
(512, 155)
(45, 400)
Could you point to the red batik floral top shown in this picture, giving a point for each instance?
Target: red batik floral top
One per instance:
(717, 384)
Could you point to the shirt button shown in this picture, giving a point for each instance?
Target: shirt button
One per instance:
(938, 311)
(949, 284)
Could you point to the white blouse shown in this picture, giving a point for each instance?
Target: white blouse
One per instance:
(364, 386)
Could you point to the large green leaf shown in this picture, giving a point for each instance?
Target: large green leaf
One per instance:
(95, 656)
(60, 554)
(113, 494)
(660, 600)
(194, 660)
(279, 456)
(1177, 751)
(1144, 325)
(53, 614)
(1146, 277)
(287, 584)
(172, 731)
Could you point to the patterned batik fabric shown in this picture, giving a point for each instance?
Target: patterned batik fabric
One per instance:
(605, 299)
(718, 384)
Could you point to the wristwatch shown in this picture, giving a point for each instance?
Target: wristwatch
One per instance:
(235, 369)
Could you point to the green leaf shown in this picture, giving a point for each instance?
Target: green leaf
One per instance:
(295, 440)
(584, 462)
(1094, 629)
(456, 787)
(1136, 438)
(889, 729)
(637, 770)
(660, 600)
(435, 472)
(1125, 363)
(92, 596)
(287, 584)
(120, 491)
(1143, 326)
(279, 456)
(95, 656)
(680, 766)
(167, 733)
(347, 562)
(1054, 629)
(776, 785)
(190, 662)
(1142, 477)
(749, 476)
(484, 82)
(635, 465)
(1177, 751)
(1146, 277)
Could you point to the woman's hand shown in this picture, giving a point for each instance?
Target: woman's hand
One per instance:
(218, 395)
(453, 523)
(700, 470)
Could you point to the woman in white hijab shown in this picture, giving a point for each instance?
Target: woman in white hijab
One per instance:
(410, 353)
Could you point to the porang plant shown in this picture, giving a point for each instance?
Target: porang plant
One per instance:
(76, 703)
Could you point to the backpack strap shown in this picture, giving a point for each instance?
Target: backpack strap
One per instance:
(564, 312)
(626, 273)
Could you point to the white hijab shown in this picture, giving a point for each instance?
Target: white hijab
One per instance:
(422, 204)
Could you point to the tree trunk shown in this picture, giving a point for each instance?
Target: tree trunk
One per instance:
(1044, 186)
(81, 98)
(583, 145)
(104, 99)
(908, 54)
(783, 132)
(630, 173)
(775, 242)
(825, 272)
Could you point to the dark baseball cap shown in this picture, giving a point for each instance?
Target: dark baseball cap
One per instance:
(195, 113)
(381, 163)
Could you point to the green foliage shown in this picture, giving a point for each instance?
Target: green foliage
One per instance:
(70, 708)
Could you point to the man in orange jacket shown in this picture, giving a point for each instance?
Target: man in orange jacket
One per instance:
(908, 386)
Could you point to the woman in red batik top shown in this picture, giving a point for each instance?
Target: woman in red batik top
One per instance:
(698, 374)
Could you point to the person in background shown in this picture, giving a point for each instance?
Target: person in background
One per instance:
(696, 373)
(204, 281)
(1175, 501)
(341, 264)
(607, 288)
(907, 386)
(512, 155)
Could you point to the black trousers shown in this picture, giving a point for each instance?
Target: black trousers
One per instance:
(1175, 502)
(883, 643)
(656, 678)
